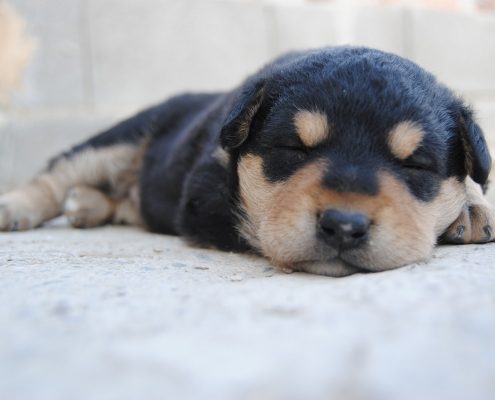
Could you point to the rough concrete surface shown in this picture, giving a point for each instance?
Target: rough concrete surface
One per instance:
(118, 313)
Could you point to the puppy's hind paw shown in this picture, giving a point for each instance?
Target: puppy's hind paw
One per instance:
(17, 213)
(475, 224)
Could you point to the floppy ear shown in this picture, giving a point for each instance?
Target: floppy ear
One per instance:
(477, 159)
(236, 127)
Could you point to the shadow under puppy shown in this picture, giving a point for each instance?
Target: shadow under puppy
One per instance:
(328, 161)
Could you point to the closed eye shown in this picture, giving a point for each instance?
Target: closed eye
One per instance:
(411, 165)
(295, 148)
(418, 163)
(292, 152)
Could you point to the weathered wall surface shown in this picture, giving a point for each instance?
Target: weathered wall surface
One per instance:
(98, 60)
(15, 51)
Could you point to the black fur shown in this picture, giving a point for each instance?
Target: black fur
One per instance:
(185, 190)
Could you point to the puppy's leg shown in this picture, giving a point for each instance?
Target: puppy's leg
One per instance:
(30, 205)
(27, 207)
(476, 223)
(103, 160)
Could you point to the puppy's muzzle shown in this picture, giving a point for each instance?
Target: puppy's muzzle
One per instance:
(344, 230)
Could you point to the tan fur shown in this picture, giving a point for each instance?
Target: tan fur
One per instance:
(283, 217)
(404, 139)
(312, 127)
(127, 210)
(15, 50)
(43, 198)
(334, 268)
(221, 156)
(255, 194)
(476, 222)
(87, 207)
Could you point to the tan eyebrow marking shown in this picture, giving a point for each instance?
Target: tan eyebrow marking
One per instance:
(312, 127)
(404, 139)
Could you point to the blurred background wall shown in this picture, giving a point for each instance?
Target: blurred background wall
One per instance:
(83, 64)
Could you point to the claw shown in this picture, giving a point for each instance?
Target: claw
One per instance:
(459, 233)
(488, 233)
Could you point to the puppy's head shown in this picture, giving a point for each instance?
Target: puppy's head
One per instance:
(350, 155)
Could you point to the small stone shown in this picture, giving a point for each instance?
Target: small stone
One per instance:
(61, 309)
(236, 277)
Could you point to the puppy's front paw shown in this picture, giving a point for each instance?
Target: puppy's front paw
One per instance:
(475, 224)
(86, 207)
(18, 212)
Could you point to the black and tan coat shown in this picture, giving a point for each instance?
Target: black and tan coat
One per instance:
(329, 161)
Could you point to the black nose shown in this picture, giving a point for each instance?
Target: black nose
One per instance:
(344, 229)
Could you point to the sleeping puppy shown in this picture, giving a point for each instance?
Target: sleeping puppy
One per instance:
(329, 161)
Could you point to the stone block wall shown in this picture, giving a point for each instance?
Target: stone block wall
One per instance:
(95, 61)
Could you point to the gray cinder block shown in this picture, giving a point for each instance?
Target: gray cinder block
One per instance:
(143, 51)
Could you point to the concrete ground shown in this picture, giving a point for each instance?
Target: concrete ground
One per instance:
(118, 313)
